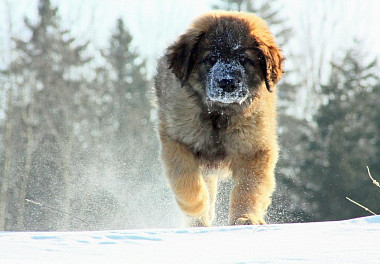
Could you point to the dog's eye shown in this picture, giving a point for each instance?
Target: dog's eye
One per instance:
(212, 59)
(243, 59)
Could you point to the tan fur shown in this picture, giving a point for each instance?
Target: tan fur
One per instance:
(249, 148)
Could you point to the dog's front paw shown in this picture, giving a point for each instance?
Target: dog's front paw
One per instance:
(249, 219)
(198, 222)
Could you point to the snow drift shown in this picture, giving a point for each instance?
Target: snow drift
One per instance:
(350, 241)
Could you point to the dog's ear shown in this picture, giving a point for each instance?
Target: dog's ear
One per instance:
(182, 55)
(271, 59)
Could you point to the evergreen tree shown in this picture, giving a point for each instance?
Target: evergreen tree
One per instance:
(343, 141)
(121, 113)
(375, 112)
(81, 145)
(46, 105)
(132, 107)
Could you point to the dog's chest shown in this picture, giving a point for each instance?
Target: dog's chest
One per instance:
(211, 136)
(215, 121)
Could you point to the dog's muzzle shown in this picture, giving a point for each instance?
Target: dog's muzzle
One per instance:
(226, 83)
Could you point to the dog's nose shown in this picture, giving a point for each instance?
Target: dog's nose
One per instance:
(228, 85)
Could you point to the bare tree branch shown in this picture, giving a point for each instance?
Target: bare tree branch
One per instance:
(60, 211)
(373, 180)
(358, 204)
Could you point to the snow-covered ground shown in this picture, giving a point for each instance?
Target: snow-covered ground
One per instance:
(350, 241)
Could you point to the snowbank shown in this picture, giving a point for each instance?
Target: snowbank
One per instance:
(350, 241)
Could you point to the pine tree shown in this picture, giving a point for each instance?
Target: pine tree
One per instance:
(47, 67)
(129, 83)
(121, 116)
(343, 141)
(130, 102)
(375, 113)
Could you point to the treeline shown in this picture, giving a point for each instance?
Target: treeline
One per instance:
(78, 148)
(77, 141)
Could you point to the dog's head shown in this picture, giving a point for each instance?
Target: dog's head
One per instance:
(225, 57)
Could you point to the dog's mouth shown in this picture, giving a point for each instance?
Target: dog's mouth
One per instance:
(237, 96)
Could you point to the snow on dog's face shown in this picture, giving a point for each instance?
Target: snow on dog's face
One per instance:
(226, 83)
(226, 60)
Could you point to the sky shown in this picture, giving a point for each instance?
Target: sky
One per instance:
(155, 23)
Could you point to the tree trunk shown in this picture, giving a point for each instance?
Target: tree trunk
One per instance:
(25, 178)
(8, 134)
(7, 160)
(66, 148)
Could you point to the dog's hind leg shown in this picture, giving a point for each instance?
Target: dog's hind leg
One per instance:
(186, 181)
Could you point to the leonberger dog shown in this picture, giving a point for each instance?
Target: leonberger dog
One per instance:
(216, 97)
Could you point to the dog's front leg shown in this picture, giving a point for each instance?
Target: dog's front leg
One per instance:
(254, 184)
(185, 179)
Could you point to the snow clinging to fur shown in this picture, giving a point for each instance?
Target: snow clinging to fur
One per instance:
(220, 71)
